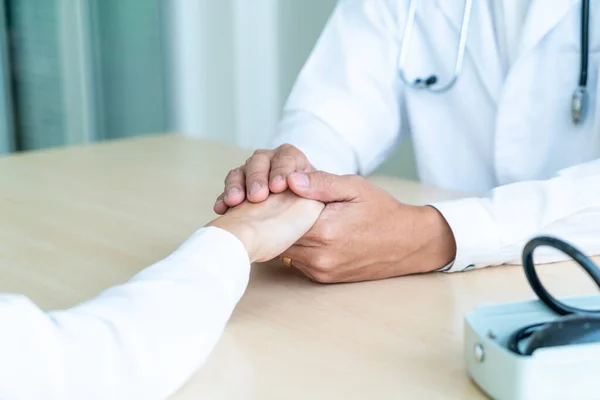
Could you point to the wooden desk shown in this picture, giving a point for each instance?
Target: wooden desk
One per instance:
(74, 221)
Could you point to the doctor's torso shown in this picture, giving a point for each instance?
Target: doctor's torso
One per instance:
(499, 125)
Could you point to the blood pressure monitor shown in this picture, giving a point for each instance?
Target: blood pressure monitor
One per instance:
(543, 349)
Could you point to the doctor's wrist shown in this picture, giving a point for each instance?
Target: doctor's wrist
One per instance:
(438, 245)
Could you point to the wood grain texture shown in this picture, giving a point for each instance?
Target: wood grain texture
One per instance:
(75, 221)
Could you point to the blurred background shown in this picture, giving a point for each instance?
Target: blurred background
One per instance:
(78, 71)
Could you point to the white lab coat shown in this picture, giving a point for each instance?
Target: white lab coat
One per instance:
(505, 137)
(139, 340)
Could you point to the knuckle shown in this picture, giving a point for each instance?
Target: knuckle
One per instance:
(284, 159)
(283, 171)
(257, 176)
(328, 233)
(323, 263)
(235, 171)
(326, 181)
(258, 158)
(261, 154)
(302, 164)
(298, 157)
(232, 175)
(286, 147)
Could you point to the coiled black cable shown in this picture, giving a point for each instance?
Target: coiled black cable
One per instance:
(539, 289)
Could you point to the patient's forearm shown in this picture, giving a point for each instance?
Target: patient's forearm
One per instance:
(139, 340)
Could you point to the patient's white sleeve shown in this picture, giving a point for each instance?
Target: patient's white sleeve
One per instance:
(141, 340)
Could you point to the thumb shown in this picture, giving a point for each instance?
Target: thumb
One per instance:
(323, 187)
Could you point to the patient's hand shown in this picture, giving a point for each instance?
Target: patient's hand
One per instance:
(269, 228)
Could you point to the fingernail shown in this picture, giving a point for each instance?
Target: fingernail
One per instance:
(276, 179)
(218, 201)
(300, 179)
(256, 186)
(233, 191)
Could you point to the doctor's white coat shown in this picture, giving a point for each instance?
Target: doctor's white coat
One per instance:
(506, 137)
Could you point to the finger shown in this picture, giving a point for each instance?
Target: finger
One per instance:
(314, 257)
(220, 207)
(282, 165)
(298, 265)
(311, 273)
(257, 174)
(298, 254)
(287, 159)
(324, 187)
(234, 187)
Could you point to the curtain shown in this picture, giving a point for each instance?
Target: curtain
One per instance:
(232, 63)
(77, 71)
(7, 138)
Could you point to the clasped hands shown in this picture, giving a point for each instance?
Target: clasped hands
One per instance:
(350, 229)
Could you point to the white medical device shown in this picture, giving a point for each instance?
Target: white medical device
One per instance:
(563, 372)
(542, 349)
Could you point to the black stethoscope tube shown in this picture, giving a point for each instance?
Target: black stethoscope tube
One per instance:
(585, 36)
(579, 98)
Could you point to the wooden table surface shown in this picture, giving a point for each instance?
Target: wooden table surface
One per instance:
(75, 221)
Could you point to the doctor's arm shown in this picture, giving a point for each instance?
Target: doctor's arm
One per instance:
(343, 115)
(492, 230)
(365, 234)
(143, 339)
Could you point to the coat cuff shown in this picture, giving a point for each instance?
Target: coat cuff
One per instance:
(478, 244)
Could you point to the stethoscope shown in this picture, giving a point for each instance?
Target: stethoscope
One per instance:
(579, 98)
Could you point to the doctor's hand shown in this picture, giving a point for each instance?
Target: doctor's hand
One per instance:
(265, 172)
(365, 234)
